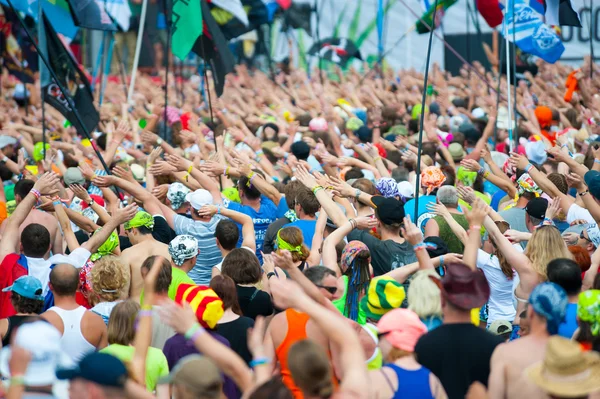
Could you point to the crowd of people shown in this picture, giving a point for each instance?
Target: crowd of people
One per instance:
(269, 244)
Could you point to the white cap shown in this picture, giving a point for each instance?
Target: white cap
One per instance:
(406, 189)
(199, 198)
(42, 340)
(478, 113)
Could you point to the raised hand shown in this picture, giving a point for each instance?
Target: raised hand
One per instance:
(178, 162)
(575, 181)
(365, 223)
(467, 194)
(438, 209)
(103, 181)
(86, 171)
(179, 318)
(154, 155)
(80, 192)
(125, 214)
(470, 165)
(161, 191)
(477, 214)
(286, 294)
(486, 156)
(268, 263)
(208, 210)
(305, 178)
(123, 172)
(518, 161)
(411, 232)
(149, 138)
(213, 168)
(553, 208)
(283, 260)
(162, 168)
(47, 184)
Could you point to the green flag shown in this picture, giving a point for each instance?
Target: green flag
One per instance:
(427, 17)
(187, 26)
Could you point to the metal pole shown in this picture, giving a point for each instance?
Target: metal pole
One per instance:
(138, 48)
(508, 80)
(501, 61)
(380, 31)
(167, 54)
(317, 13)
(40, 24)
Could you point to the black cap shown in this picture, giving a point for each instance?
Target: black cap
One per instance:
(364, 134)
(100, 368)
(537, 208)
(301, 150)
(389, 210)
(592, 179)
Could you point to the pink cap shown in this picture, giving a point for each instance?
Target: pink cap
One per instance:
(318, 124)
(402, 328)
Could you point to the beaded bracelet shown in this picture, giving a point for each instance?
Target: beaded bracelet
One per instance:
(36, 193)
(419, 246)
(481, 171)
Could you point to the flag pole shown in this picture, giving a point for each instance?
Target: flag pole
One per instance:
(65, 93)
(138, 48)
(107, 62)
(120, 64)
(514, 74)
(318, 20)
(168, 53)
(422, 121)
(380, 32)
(501, 61)
(40, 23)
(508, 78)
(591, 39)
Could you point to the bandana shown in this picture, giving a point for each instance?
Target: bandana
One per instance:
(387, 187)
(291, 216)
(466, 177)
(588, 309)
(232, 194)
(349, 253)
(549, 300)
(38, 151)
(281, 244)
(108, 246)
(509, 170)
(432, 178)
(140, 219)
(354, 123)
(526, 184)
(182, 248)
(176, 195)
(172, 115)
(90, 214)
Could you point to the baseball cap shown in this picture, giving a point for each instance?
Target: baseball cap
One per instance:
(499, 327)
(537, 207)
(182, 248)
(592, 179)
(28, 287)
(73, 176)
(198, 374)
(406, 189)
(100, 368)
(199, 198)
(176, 194)
(402, 328)
(550, 301)
(6, 141)
(42, 340)
(388, 210)
(593, 233)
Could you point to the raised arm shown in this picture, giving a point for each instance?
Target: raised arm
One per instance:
(326, 202)
(329, 252)
(248, 236)
(413, 236)
(121, 216)
(457, 229)
(475, 217)
(206, 182)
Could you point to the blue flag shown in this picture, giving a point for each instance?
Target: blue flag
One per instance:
(531, 34)
(57, 12)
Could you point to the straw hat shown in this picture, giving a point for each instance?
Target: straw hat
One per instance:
(566, 371)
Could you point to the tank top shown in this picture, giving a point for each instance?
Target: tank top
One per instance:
(15, 322)
(340, 304)
(411, 383)
(446, 233)
(73, 342)
(296, 331)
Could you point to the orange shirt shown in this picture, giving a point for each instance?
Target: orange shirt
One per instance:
(3, 212)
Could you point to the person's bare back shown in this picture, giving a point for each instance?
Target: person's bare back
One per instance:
(46, 220)
(134, 257)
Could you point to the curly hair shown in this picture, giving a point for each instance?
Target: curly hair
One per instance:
(26, 305)
(109, 278)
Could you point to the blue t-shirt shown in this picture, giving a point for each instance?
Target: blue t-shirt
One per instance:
(424, 215)
(282, 208)
(567, 328)
(308, 230)
(266, 214)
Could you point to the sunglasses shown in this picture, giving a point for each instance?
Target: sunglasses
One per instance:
(584, 237)
(381, 335)
(331, 290)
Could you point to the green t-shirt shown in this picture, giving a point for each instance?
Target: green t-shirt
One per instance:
(156, 362)
(340, 304)
(178, 277)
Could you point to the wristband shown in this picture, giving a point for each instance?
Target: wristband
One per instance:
(259, 153)
(419, 246)
(581, 194)
(5, 159)
(159, 141)
(441, 260)
(36, 193)
(218, 209)
(251, 178)
(596, 160)
(193, 329)
(475, 227)
(56, 203)
(271, 274)
(260, 361)
(146, 307)
(528, 167)
(189, 170)
(144, 313)
(316, 189)
(377, 159)
(226, 171)
(481, 171)
(486, 174)
(17, 380)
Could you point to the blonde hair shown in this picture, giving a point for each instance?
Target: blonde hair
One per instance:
(424, 296)
(311, 369)
(109, 278)
(293, 236)
(396, 354)
(546, 244)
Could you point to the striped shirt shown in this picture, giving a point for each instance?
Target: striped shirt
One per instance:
(210, 255)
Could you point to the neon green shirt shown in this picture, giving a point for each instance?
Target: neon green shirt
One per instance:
(178, 277)
(156, 362)
(340, 304)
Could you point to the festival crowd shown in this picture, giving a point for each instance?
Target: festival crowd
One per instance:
(268, 243)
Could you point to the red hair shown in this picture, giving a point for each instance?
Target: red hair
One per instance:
(581, 256)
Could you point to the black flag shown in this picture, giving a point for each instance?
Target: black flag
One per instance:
(71, 78)
(91, 14)
(213, 48)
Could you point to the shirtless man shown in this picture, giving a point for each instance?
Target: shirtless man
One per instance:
(546, 310)
(139, 232)
(22, 188)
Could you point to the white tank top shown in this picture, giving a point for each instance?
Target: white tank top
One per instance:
(73, 342)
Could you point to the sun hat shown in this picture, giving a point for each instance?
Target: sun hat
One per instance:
(588, 309)
(349, 253)
(550, 301)
(566, 371)
(456, 151)
(42, 340)
(463, 287)
(199, 198)
(205, 384)
(28, 287)
(176, 194)
(466, 177)
(182, 248)
(100, 368)
(5, 141)
(140, 219)
(383, 295)
(73, 176)
(402, 328)
(206, 304)
(526, 184)
(387, 187)
(232, 194)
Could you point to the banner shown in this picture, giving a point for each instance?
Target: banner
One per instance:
(187, 26)
(18, 53)
(119, 11)
(57, 11)
(71, 78)
(91, 14)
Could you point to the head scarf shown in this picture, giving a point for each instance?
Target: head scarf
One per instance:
(109, 245)
(550, 301)
(182, 248)
(432, 178)
(38, 151)
(387, 187)
(588, 309)
(466, 177)
(349, 253)
(526, 184)
(176, 195)
(140, 219)
(544, 116)
(232, 194)
(354, 123)
(281, 244)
